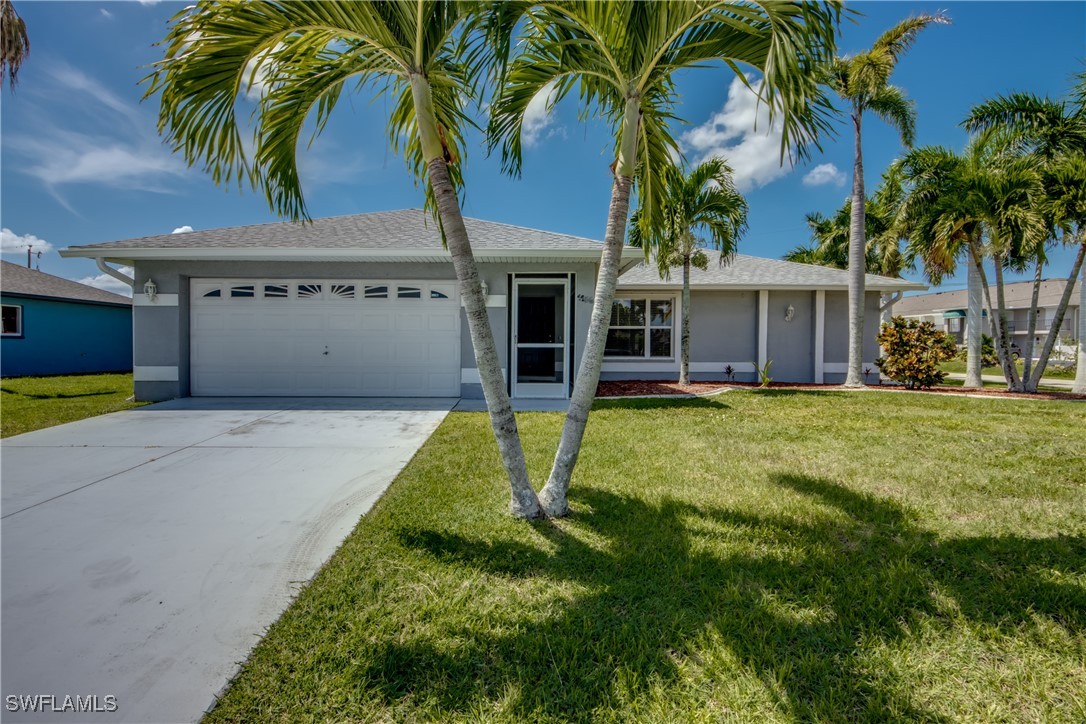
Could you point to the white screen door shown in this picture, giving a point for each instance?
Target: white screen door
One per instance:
(541, 338)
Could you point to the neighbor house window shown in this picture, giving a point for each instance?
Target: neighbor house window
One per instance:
(955, 324)
(13, 320)
(641, 327)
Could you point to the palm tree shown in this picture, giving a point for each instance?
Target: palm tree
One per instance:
(830, 235)
(705, 199)
(14, 43)
(621, 57)
(1052, 135)
(863, 83)
(973, 205)
(308, 52)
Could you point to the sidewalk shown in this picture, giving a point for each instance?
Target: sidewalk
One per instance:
(1045, 381)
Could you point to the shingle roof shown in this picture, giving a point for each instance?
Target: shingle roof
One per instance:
(755, 272)
(18, 280)
(1018, 295)
(407, 229)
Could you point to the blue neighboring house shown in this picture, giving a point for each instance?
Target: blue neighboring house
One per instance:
(54, 326)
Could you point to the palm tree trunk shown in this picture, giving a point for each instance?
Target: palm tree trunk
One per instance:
(554, 496)
(1031, 324)
(1080, 369)
(1002, 350)
(973, 340)
(684, 364)
(857, 267)
(1010, 370)
(1054, 329)
(523, 502)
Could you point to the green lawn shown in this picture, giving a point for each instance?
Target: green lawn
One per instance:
(1053, 371)
(31, 403)
(757, 556)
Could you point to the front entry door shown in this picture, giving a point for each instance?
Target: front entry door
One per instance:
(540, 338)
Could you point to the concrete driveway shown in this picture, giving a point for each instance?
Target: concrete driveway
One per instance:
(145, 552)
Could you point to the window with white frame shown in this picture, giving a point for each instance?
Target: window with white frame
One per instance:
(13, 320)
(641, 327)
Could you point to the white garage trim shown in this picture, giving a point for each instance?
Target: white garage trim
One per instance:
(140, 299)
(325, 337)
(143, 373)
(470, 376)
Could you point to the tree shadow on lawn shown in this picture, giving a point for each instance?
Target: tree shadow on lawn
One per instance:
(57, 395)
(799, 603)
(652, 403)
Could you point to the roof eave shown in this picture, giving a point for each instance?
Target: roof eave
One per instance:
(129, 255)
(670, 286)
(69, 300)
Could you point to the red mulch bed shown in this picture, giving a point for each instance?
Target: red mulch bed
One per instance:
(636, 388)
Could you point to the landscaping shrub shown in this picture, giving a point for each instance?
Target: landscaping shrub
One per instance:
(914, 351)
(987, 353)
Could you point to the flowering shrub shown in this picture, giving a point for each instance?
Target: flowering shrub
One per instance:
(914, 350)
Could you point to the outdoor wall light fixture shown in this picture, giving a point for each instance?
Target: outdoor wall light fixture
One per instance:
(789, 313)
(150, 289)
(486, 287)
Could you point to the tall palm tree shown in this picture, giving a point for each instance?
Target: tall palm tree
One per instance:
(1052, 135)
(863, 83)
(703, 200)
(621, 58)
(830, 234)
(308, 53)
(976, 206)
(14, 43)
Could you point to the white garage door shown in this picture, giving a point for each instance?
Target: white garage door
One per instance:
(279, 337)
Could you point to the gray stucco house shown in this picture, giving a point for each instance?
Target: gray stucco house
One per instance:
(367, 305)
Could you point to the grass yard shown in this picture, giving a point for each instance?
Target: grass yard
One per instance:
(1053, 371)
(31, 403)
(755, 556)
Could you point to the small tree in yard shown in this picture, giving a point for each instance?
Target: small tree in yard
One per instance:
(988, 356)
(914, 351)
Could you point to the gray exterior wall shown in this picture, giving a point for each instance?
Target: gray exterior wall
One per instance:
(161, 332)
(723, 328)
(724, 331)
(791, 343)
(836, 344)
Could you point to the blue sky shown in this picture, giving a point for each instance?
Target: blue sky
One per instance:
(82, 163)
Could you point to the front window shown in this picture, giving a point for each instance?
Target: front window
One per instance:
(13, 320)
(641, 327)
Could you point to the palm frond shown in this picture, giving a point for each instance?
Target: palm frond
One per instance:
(14, 43)
(890, 104)
(307, 55)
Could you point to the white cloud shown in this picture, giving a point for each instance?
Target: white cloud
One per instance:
(149, 2)
(63, 157)
(108, 283)
(257, 70)
(115, 144)
(741, 134)
(182, 229)
(824, 173)
(105, 13)
(72, 78)
(538, 117)
(12, 243)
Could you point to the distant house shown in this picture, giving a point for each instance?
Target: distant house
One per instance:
(947, 310)
(368, 305)
(54, 326)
